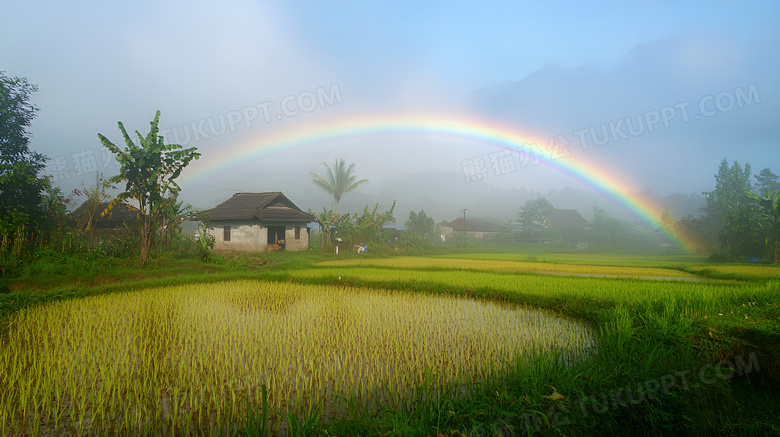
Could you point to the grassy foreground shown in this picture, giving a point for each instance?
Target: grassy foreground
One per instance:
(674, 357)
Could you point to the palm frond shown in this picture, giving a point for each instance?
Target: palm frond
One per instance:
(339, 179)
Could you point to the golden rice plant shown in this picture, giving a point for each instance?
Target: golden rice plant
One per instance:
(509, 266)
(190, 358)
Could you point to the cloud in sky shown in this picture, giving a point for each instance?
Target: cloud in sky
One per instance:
(551, 68)
(670, 107)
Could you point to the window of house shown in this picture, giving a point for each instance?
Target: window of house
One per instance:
(226, 235)
(297, 233)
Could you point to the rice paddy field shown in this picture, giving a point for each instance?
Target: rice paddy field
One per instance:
(473, 344)
(741, 270)
(591, 259)
(497, 265)
(190, 358)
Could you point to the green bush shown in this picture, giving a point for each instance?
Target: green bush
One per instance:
(415, 241)
(48, 263)
(10, 267)
(205, 244)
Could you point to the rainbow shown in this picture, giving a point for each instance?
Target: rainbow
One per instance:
(605, 181)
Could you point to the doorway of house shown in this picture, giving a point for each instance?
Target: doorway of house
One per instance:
(276, 236)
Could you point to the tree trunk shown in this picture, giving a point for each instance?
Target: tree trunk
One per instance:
(776, 236)
(146, 240)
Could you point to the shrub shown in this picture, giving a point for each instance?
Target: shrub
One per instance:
(205, 243)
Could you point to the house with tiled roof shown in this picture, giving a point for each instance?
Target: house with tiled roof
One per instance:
(566, 218)
(564, 225)
(259, 222)
(472, 227)
(101, 223)
(103, 217)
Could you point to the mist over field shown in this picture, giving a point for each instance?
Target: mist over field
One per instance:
(654, 94)
(443, 194)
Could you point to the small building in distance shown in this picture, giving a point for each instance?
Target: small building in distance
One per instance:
(259, 222)
(560, 224)
(119, 221)
(472, 227)
(563, 225)
(566, 218)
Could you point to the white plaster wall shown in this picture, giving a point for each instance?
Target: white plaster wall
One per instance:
(289, 238)
(243, 237)
(254, 237)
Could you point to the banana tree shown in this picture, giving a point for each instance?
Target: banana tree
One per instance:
(326, 220)
(149, 171)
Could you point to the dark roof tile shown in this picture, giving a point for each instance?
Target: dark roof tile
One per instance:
(475, 225)
(271, 206)
(566, 218)
(119, 213)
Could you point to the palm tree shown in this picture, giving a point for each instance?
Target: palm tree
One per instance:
(338, 181)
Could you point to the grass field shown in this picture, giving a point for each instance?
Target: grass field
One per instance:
(191, 350)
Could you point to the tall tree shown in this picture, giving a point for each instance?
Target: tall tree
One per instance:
(339, 180)
(21, 186)
(150, 171)
(729, 206)
(534, 213)
(770, 210)
(607, 230)
(767, 181)
(420, 224)
(16, 115)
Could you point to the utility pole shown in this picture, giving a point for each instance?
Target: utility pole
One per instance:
(464, 219)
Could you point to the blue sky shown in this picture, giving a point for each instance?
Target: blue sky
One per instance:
(475, 44)
(551, 67)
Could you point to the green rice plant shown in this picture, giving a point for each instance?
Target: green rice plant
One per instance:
(618, 332)
(595, 259)
(493, 265)
(691, 299)
(192, 358)
(757, 271)
(256, 425)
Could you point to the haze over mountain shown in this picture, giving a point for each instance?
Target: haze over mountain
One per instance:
(611, 105)
(650, 95)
